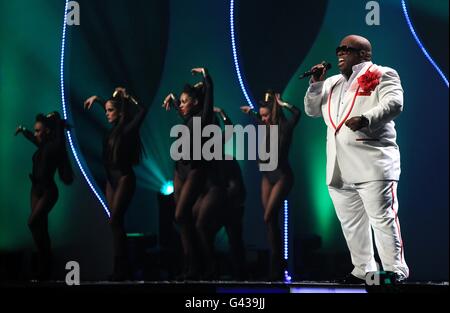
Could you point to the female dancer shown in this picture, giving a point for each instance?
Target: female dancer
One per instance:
(276, 184)
(232, 214)
(198, 188)
(122, 148)
(51, 155)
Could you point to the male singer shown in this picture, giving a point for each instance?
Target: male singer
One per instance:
(363, 159)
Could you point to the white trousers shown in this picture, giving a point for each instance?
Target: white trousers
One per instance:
(365, 206)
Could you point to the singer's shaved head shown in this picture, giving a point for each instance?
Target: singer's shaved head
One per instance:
(360, 50)
(360, 43)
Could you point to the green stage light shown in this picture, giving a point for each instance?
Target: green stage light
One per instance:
(135, 235)
(167, 188)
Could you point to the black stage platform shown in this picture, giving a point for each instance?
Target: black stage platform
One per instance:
(227, 287)
(221, 296)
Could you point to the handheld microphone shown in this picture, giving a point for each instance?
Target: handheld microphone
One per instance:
(326, 65)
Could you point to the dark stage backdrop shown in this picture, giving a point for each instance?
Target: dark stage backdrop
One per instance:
(150, 46)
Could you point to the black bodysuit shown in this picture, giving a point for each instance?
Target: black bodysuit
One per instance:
(206, 114)
(285, 131)
(46, 160)
(230, 171)
(122, 164)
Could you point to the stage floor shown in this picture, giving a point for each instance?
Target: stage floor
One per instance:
(230, 287)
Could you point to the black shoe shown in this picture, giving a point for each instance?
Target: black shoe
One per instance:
(121, 269)
(279, 277)
(45, 267)
(240, 275)
(189, 274)
(118, 277)
(397, 278)
(277, 270)
(41, 277)
(385, 278)
(210, 274)
(351, 279)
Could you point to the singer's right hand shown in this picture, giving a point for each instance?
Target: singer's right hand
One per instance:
(320, 73)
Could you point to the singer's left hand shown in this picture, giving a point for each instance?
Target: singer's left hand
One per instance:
(356, 123)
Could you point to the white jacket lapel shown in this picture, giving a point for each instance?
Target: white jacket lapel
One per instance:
(350, 94)
(333, 103)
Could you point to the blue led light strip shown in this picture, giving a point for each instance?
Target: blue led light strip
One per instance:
(421, 46)
(235, 57)
(287, 277)
(249, 101)
(72, 144)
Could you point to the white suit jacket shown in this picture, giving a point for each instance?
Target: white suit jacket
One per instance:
(371, 153)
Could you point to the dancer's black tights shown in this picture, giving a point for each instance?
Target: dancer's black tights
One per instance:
(187, 193)
(272, 200)
(233, 222)
(119, 199)
(42, 201)
(206, 211)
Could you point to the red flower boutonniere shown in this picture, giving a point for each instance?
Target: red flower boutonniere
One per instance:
(369, 81)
